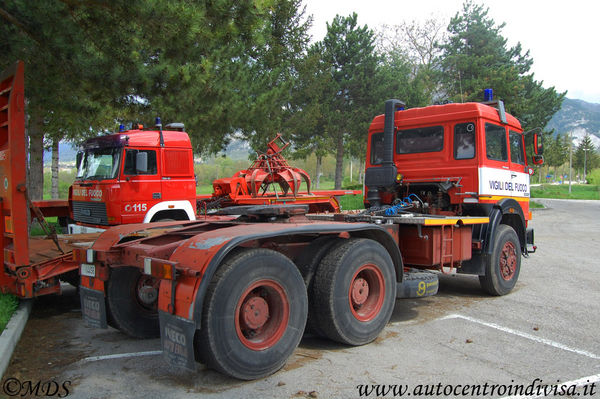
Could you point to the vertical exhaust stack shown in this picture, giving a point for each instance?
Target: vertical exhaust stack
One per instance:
(384, 176)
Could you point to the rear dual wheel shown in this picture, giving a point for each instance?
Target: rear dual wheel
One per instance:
(132, 299)
(254, 315)
(354, 291)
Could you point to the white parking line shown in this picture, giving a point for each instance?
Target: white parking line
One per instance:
(578, 383)
(524, 335)
(121, 356)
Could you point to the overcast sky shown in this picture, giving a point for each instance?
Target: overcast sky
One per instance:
(562, 37)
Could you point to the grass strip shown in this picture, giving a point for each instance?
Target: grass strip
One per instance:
(561, 191)
(8, 305)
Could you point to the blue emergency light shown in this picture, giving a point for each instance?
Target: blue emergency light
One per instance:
(488, 95)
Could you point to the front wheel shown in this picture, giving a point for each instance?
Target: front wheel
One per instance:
(254, 315)
(503, 266)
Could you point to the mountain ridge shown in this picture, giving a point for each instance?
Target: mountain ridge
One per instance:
(577, 117)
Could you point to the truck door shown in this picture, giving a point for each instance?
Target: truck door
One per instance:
(140, 188)
(502, 172)
(494, 171)
(518, 170)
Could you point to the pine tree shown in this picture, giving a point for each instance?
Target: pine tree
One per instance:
(556, 151)
(349, 57)
(272, 69)
(585, 157)
(476, 57)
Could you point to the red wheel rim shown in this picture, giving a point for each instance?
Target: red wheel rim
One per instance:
(261, 315)
(366, 293)
(508, 261)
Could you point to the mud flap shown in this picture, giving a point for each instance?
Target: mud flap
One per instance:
(177, 340)
(418, 284)
(93, 307)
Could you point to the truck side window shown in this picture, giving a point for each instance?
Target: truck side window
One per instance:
(423, 139)
(495, 142)
(130, 156)
(516, 147)
(464, 141)
(377, 149)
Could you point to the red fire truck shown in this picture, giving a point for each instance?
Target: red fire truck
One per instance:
(134, 176)
(143, 176)
(235, 291)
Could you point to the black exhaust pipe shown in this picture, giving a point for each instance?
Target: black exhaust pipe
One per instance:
(385, 175)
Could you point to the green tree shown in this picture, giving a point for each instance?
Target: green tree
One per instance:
(476, 57)
(556, 151)
(272, 71)
(89, 64)
(348, 54)
(397, 79)
(585, 157)
(46, 36)
(308, 120)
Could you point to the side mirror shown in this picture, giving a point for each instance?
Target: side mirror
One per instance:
(538, 144)
(534, 143)
(538, 149)
(141, 162)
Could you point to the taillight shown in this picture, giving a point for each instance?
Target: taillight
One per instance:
(160, 269)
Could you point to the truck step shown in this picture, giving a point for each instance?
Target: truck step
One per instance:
(418, 284)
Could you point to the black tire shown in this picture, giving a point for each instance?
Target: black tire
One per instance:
(503, 266)
(308, 261)
(343, 312)
(125, 309)
(418, 284)
(255, 346)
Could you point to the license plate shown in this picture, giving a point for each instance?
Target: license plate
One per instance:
(88, 270)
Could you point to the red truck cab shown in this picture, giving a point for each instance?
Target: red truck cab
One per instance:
(133, 176)
(453, 159)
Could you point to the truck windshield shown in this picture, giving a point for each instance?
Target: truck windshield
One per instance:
(99, 164)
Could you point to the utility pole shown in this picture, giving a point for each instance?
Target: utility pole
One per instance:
(570, 160)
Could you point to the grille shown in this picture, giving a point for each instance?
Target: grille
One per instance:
(90, 212)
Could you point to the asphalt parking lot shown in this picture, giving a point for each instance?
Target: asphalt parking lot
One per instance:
(547, 329)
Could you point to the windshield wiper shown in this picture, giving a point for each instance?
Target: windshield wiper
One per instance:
(97, 177)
